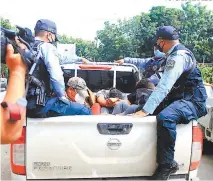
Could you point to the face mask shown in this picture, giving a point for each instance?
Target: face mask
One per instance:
(159, 47)
(157, 53)
(79, 99)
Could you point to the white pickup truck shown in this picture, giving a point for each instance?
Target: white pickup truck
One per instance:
(100, 146)
(206, 122)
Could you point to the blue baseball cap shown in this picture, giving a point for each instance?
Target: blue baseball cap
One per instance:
(46, 25)
(166, 33)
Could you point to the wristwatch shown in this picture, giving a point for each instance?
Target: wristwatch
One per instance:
(15, 110)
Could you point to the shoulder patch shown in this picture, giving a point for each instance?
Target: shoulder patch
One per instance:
(155, 67)
(169, 65)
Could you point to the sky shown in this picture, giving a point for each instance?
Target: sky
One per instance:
(80, 18)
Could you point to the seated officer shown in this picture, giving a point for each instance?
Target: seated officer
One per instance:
(179, 98)
(46, 95)
(152, 67)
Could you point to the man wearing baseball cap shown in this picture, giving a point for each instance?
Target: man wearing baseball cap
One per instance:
(46, 95)
(178, 98)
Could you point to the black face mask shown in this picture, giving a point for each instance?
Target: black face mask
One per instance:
(159, 47)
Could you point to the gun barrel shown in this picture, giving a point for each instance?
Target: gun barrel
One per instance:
(9, 33)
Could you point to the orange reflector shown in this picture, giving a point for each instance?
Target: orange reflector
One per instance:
(197, 144)
(194, 165)
(17, 154)
(197, 134)
(95, 67)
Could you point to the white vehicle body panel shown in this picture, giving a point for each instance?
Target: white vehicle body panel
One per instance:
(71, 146)
(75, 142)
(206, 122)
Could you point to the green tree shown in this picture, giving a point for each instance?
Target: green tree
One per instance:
(5, 23)
(111, 40)
(196, 31)
(87, 49)
(207, 73)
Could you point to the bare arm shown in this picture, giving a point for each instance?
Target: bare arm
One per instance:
(102, 101)
(10, 132)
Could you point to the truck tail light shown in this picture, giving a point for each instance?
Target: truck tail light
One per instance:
(17, 154)
(197, 144)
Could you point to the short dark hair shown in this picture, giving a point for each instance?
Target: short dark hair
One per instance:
(115, 93)
(145, 83)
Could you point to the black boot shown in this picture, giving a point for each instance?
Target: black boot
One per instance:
(164, 171)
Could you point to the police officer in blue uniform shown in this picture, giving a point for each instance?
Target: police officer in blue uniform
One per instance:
(179, 98)
(46, 95)
(151, 67)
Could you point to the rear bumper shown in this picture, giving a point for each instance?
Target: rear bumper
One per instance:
(23, 178)
(18, 177)
(192, 177)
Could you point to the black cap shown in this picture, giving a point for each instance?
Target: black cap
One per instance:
(46, 25)
(166, 33)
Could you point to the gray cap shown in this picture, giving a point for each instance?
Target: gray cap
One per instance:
(79, 85)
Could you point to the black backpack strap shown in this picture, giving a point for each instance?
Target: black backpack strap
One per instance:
(193, 65)
(37, 45)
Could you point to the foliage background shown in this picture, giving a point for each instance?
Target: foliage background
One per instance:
(132, 37)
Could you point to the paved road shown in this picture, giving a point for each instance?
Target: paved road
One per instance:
(205, 171)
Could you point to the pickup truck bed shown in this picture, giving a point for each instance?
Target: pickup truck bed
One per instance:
(99, 146)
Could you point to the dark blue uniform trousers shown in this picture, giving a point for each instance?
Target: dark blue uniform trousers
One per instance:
(178, 112)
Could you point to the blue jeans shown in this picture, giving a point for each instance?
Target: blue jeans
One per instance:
(70, 108)
(125, 108)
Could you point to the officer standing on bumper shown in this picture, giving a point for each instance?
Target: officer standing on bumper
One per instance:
(150, 66)
(46, 95)
(179, 98)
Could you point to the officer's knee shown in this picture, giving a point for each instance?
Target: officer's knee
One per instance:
(160, 119)
(165, 121)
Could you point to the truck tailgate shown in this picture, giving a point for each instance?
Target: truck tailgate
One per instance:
(73, 147)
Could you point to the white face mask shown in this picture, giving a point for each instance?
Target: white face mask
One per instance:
(79, 99)
(158, 53)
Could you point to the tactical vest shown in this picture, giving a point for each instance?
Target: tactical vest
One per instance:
(153, 66)
(41, 75)
(142, 95)
(189, 85)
